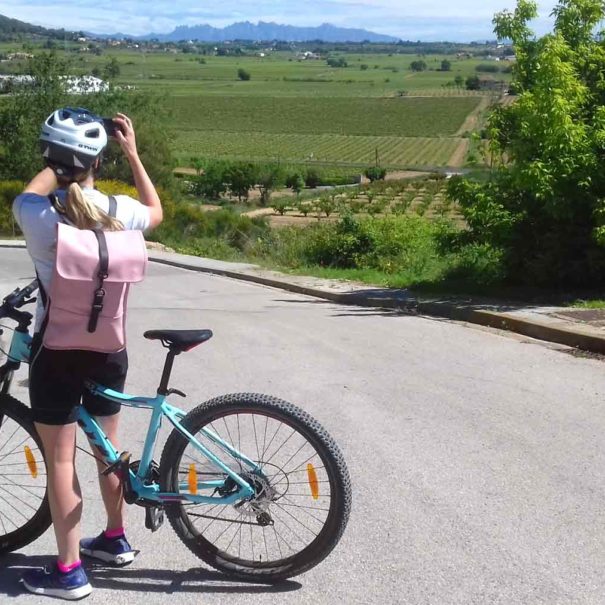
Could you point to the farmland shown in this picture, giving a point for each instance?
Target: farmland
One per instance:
(378, 117)
(374, 107)
(358, 151)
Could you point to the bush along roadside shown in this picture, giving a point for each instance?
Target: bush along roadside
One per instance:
(395, 250)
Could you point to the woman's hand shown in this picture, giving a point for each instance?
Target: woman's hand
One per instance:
(125, 135)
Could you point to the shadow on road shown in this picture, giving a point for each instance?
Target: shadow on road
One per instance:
(195, 580)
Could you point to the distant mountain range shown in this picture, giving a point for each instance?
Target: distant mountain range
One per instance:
(261, 32)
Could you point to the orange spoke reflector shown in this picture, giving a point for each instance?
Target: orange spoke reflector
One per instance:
(192, 479)
(313, 482)
(31, 462)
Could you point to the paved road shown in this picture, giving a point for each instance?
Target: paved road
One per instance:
(477, 457)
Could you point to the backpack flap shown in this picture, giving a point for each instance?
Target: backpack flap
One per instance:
(85, 312)
(78, 255)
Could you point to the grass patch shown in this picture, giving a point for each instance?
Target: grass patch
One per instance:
(587, 304)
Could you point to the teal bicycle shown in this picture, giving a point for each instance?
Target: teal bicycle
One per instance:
(251, 484)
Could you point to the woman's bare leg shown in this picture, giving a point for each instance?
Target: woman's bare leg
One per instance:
(111, 488)
(64, 494)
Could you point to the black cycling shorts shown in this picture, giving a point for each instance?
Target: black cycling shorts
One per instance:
(57, 379)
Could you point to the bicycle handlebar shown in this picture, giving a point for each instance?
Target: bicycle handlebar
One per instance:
(16, 299)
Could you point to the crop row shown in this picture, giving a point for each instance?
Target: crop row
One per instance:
(355, 150)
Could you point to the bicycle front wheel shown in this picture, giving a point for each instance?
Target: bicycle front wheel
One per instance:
(24, 510)
(302, 496)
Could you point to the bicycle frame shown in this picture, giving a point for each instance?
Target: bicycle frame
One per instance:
(19, 353)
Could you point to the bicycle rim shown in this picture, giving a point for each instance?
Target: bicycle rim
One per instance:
(293, 501)
(23, 482)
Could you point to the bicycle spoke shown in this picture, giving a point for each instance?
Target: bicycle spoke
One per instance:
(306, 510)
(15, 509)
(2, 522)
(30, 493)
(213, 520)
(272, 438)
(256, 439)
(9, 439)
(23, 502)
(289, 528)
(280, 447)
(12, 452)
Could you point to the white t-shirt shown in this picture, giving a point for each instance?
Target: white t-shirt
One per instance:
(38, 220)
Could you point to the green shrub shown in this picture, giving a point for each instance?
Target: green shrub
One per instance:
(9, 190)
(312, 178)
(375, 173)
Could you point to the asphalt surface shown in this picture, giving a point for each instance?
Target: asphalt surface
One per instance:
(476, 456)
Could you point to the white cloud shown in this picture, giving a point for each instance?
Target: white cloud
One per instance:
(395, 17)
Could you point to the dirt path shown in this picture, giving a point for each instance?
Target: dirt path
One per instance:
(459, 156)
(472, 120)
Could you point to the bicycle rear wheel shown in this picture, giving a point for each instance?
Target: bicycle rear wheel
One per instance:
(24, 510)
(301, 503)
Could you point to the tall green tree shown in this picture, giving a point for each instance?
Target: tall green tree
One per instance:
(543, 209)
(22, 115)
(23, 112)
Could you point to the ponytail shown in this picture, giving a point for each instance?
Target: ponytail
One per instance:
(85, 214)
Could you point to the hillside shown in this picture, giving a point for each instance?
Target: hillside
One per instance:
(11, 29)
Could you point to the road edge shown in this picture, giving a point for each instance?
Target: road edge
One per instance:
(576, 337)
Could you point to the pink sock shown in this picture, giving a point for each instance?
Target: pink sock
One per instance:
(67, 568)
(114, 533)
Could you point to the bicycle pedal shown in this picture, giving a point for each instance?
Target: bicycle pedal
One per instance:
(122, 462)
(154, 517)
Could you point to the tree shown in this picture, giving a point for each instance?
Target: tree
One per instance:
(22, 114)
(473, 83)
(337, 62)
(240, 178)
(375, 173)
(296, 182)
(418, 65)
(542, 212)
(243, 75)
(112, 69)
(197, 164)
(446, 65)
(459, 81)
(269, 178)
(210, 184)
(312, 178)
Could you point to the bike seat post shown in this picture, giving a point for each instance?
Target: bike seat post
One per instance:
(172, 353)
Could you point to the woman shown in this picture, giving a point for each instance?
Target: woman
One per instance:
(72, 143)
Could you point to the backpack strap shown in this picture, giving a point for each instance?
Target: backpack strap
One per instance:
(97, 303)
(58, 206)
(113, 206)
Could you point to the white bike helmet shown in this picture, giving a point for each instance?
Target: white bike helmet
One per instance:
(72, 139)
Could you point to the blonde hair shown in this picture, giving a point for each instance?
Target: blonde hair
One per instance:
(83, 213)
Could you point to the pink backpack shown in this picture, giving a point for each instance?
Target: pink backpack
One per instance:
(89, 288)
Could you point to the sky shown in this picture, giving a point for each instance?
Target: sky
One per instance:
(423, 19)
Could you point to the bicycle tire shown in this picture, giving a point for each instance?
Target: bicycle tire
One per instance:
(308, 428)
(40, 521)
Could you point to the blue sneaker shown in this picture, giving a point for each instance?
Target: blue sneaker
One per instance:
(51, 582)
(116, 551)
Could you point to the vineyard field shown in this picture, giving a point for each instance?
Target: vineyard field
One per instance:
(396, 117)
(395, 152)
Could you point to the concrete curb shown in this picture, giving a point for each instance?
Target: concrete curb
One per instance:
(576, 337)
